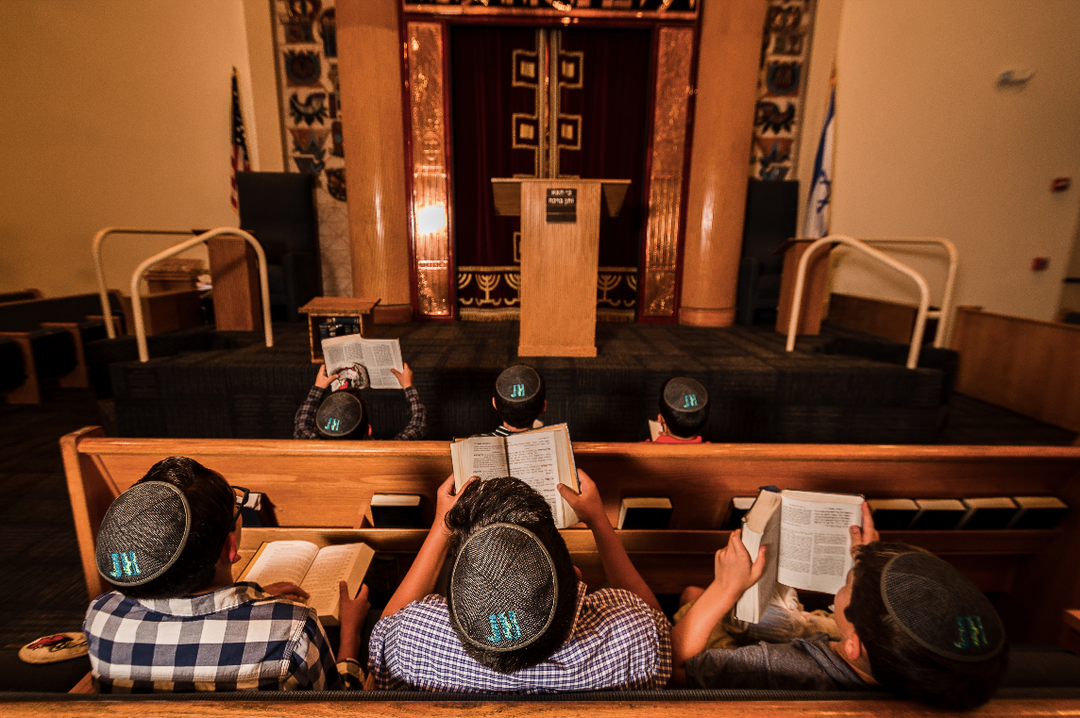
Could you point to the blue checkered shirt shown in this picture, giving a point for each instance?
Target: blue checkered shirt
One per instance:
(304, 421)
(234, 639)
(618, 642)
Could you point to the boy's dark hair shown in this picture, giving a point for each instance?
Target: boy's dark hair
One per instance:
(511, 501)
(519, 396)
(684, 404)
(904, 665)
(212, 505)
(342, 415)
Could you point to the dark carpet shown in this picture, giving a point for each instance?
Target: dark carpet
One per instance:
(758, 392)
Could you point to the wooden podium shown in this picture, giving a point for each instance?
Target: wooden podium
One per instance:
(814, 286)
(560, 238)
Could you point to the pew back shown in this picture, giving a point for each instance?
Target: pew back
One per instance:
(321, 490)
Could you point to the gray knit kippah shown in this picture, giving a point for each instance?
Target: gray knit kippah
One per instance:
(339, 414)
(503, 590)
(143, 533)
(519, 383)
(684, 395)
(940, 609)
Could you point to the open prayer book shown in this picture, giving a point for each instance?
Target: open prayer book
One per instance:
(377, 356)
(315, 570)
(807, 540)
(542, 458)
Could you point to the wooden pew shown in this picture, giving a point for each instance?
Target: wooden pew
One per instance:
(320, 490)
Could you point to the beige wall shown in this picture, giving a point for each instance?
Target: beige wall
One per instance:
(928, 145)
(117, 113)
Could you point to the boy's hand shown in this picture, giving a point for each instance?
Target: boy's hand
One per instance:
(587, 505)
(288, 590)
(866, 534)
(732, 568)
(403, 377)
(353, 611)
(445, 497)
(322, 380)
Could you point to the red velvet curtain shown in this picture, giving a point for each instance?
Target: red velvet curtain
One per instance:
(604, 78)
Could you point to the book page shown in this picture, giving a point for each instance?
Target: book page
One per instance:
(281, 561)
(380, 356)
(533, 459)
(815, 543)
(332, 564)
(567, 473)
(483, 456)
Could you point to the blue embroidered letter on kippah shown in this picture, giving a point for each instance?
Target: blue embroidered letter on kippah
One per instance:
(518, 390)
(690, 400)
(495, 636)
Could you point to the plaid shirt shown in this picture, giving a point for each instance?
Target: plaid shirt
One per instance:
(234, 639)
(304, 423)
(618, 642)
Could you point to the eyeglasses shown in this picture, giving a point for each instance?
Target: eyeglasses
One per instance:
(241, 497)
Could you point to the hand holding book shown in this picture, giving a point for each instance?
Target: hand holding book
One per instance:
(733, 569)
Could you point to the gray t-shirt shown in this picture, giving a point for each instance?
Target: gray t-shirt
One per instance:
(802, 664)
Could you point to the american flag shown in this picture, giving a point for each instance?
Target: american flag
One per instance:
(239, 159)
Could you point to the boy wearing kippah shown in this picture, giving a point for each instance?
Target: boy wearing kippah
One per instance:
(908, 622)
(684, 410)
(520, 400)
(341, 413)
(178, 623)
(516, 617)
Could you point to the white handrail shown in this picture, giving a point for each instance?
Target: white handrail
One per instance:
(924, 290)
(944, 314)
(95, 252)
(136, 278)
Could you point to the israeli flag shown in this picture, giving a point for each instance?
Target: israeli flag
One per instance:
(816, 223)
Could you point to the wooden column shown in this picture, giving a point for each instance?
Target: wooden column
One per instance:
(728, 52)
(235, 272)
(369, 62)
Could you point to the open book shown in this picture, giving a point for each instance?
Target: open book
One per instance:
(807, 540)
(315, 570)
(542, 458)
(377, 356)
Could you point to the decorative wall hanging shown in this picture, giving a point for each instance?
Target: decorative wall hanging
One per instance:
(784, 54)
(306, 48)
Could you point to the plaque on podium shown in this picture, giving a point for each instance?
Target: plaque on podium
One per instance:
(560, 238)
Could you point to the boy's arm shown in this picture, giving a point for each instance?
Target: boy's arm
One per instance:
(617, 567)
(416, 429)
(733, 575)
(304, 421)
(424, 572)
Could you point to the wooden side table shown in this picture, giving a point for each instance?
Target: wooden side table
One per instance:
(320, 309)
(814, 286)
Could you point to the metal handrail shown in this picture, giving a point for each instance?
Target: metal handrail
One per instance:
(136, 279)
(95, 252)
(924, 290)
(944, 314)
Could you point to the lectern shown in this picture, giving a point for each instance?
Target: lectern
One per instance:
(560, 239)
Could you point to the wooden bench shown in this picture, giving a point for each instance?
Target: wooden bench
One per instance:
(321, 490)
(52, 333)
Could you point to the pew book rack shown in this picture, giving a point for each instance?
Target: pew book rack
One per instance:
(320, 491)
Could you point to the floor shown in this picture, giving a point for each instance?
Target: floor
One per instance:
(39, 561)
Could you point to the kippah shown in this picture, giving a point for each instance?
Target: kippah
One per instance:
(684, 394)
(503, 590)
(339, 414)
(518, 383)
(939, 609)
(143, 533)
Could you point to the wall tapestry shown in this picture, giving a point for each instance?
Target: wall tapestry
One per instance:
(785, 51)
(308, 92)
